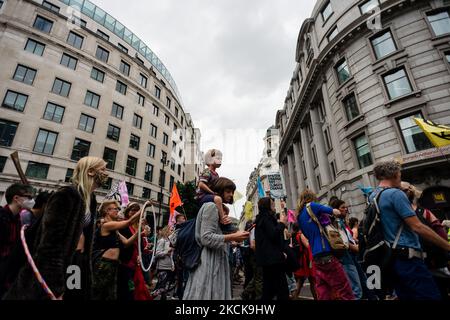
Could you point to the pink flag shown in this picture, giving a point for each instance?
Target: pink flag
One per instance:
(291, 216)
(123, 191)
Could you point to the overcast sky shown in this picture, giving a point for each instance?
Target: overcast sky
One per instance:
(232, 61)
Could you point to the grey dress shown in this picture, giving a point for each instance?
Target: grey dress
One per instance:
(211, 280)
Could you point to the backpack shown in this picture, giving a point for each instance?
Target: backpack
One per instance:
(331, 233)
(376, 250)
(186, 247)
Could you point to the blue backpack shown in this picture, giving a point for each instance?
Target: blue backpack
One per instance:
(187, 249)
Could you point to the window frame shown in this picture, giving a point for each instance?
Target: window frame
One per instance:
(114, 129)
(125, 68)
(14, 107)
(70, 59)
(108, 166)
(56, 106)
(88, 118)
(25, 74)
(103, 52)
(64, 82)
(135, 142)
(98, 71)
(10, 124)
(48, 132)
(353, 139)
(73, 149)
(119, 86)
(36, 43)
(137, 121)
(94, 97)
(43, 165)
(46, 20)
(77, 37)
(118, 107)
(133, 174)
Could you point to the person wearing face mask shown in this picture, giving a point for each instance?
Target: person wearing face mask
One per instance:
(64, 238)
(18, 197)
(34, 209)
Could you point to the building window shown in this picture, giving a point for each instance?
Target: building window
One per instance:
(157, 92)
(61, 87)
(1, 3)
(362, 151)
(117, 111)
(79, 22)
(153, 131)
(156, 111)
(167, 120)
(368, 6)
(151, 150)
(314, 152)
(37, 170)
(7, 132)
(69, 61)
(310, 131)
(182, 120)
(440, 22)
(69, 175)
(122, 48)
(175, 127)
(113, 133)
(351, 107)
(45, 142)
(397, 83)
(343, 72)
(333, 170)
(171, 182)
(131, 166)
(92, 99)
(322, 112)
(75, 40)
(383, 44)
(50, 6)
(137, 121)
(327, 11)
(124, 68)
(43, 24)
(102, 54)
(15, 101)
(179, 170)
(86, 123)
(80, 149)
(333, 34)
(148, 172)
(103, 35)
(176, 112)
(134, 142)
(174, 145)
(24, 74)
(327, 139)
(319, 181)
(168, 102)
(141, 99)
(146, 193)
(107, 185)
(162, 178)
(2, 159)
(447, 56)
(143, 80)
(121, 87)
(98, 75)
(54, 112)
(413, 137)
(163, 156)
(304, 169)
(109, 155)
(130, 188)
(165, 139)
(172, 164)
(35, 47)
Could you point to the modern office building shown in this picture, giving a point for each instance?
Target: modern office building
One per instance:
(74, 82)
(364, 70)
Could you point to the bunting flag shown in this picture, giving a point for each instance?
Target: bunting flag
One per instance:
(439, 135)
(248, 211)
(291, 216)
(261, 192)
(123, 191)
(237, 196)
(175, 202)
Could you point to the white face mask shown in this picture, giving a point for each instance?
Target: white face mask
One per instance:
(28, 204)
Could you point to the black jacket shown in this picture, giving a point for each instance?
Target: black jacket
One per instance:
(269, 237)
(54, 247)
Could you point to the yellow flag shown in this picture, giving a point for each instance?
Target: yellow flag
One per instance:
(248, 209)
(237, 196)
(439, 135)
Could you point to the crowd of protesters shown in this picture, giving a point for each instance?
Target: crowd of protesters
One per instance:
(271, 258)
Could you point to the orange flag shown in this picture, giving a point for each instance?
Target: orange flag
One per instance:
(175, 200)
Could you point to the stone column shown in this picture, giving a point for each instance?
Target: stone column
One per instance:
(310, 175)
(299, 167)
(319, 141)
(337, 150)
(285, 174)
(292, 178)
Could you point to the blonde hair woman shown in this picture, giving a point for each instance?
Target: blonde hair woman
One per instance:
(164, 266)
(107, 245)
(64, 237)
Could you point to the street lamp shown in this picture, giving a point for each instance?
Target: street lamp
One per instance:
(165, 163)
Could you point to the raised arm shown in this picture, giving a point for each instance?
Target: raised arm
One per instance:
(128, 242)
(118, 225)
